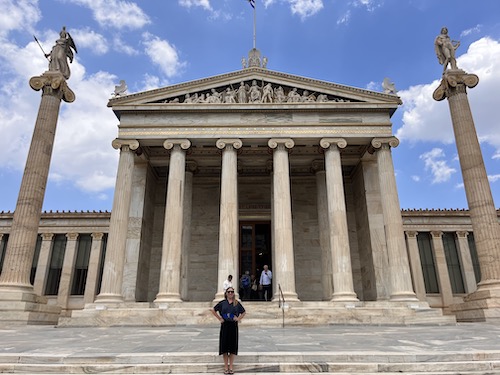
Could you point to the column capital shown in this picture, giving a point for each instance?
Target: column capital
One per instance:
(118, 143)
(182, 143)
(275, 142)
(377, 143)
(72, 236)
(47, 236)
(329, 142)
(437, 233)
(97, 236)
(411, 233)
(454, 81)
(53, 83)
(462, 233)
(233, 142)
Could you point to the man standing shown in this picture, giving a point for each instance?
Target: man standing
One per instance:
(266, 278)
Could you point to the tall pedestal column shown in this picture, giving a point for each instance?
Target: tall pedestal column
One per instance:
(112, 277)
(343, 287)
(15, 278)
(170, 276)
(284, 268)
(228, 224)
(399, 268)
(484, 303)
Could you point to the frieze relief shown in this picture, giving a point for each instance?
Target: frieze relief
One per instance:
(254, 92)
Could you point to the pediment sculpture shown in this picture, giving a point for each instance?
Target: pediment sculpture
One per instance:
(254, 92)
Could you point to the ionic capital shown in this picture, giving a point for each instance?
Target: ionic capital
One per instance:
(436, 233)
(234, 143)
(462, 233)
(181, 143)
(53, 83)
(336, 142)
(47, 236)
(72, 236)
(453, 82)
(118, 143)
(411, 233)
(285, 142)
(380, 142)
(97, 236)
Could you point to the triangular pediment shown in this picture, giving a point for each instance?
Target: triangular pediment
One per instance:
(250, 87)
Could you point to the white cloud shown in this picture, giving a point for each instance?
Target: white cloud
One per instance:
(424, 119)
(18, 15)
(195, 3)
(472, 30)
(494, 178)
(91, 40)
(163, 54)
(116, 13)
(440, 170)
(370, 5)
(415, 178)
(305, 8)
(120, 46)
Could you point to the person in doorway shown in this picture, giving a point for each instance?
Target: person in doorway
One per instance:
(229, 312)
(245, 284)
(228, 283)
(266, 278)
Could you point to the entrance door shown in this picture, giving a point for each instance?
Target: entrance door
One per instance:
(255, 247)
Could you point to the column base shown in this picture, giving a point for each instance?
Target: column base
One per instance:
(344, 297)
(24, 307)
(483, 305)
(104, 298)
(167, 297)
(404, 297)
(288, 296)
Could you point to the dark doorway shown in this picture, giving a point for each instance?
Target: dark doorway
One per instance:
(255, 250)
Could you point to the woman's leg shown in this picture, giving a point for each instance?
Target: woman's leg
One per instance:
(231, 361)
(225, 355)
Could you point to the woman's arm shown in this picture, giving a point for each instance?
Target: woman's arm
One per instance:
(219, 318)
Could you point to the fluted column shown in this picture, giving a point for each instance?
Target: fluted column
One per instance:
(322, 203)
(24, 231)
(112, 278)
(466, 262)
(399, 269)
(67, 270)
(416, 265)
(284, 268)
(42, 268)
(442, 268)
(191, 168)
(343, 287)
(481, 206)
(228, 224)
(170, 271)
(93, 270)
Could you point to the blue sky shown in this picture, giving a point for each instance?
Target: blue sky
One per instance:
(154, 43)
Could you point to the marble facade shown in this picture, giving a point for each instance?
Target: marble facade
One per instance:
(200, 162)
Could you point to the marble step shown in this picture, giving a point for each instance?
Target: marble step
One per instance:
(248, 363)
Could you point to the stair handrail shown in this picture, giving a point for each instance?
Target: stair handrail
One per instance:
(282, 305)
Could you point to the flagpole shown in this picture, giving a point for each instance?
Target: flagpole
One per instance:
(254, 25)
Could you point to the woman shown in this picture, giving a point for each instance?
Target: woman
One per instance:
(229, 312)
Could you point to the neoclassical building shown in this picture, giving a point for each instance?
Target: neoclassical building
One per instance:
(226, 174)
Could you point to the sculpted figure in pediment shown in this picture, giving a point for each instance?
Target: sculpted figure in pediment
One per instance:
(293, 96)
(230, 96)
(280, 95)
(254, 93)
(267, 94)
(242, 93)
(322, 98)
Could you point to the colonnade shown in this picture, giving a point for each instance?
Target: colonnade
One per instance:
(336, 239)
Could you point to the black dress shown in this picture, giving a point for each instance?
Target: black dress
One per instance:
(228, 338)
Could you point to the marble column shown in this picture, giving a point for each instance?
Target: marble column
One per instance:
(442, 269)
(343, 287)
(191, 168)
(326, 256)
(67, 270)
(170, 271)
(399, 268)
(416, 265)
(481, 206)
(42, 268)
(112, 277)
(20, 250)
(466, 262)
(284, 264)
(93, 270)
(228, 220)
(2, 245)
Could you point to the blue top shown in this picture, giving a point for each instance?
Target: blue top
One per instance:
(228, 311)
